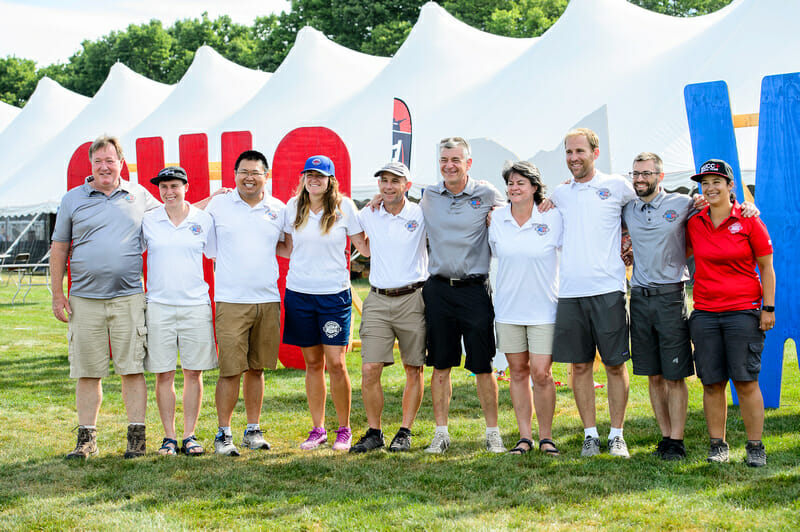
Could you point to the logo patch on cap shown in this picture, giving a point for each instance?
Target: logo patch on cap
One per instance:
(604, 193)
(712, 167)
(670, 215)
(196, 229)
(735, 228)
(316, 162)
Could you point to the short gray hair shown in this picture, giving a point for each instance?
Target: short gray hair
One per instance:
(455, 142)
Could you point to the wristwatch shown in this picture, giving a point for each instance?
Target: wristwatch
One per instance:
(768, 308)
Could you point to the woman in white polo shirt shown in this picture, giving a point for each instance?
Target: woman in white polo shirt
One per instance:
(526, 244)
(317, 302)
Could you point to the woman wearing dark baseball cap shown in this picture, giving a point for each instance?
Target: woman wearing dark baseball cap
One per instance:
(733, 308)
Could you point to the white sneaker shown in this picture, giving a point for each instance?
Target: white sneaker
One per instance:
(440, 443)
(618, 447)
(494, 443)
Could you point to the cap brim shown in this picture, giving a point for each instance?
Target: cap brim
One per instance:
(156, 180)
(699, 177)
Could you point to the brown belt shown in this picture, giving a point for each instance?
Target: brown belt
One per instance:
(395, 292)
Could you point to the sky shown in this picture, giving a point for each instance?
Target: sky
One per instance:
(50, 31)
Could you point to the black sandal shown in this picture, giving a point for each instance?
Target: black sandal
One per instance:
(190, 447)
(169, 447)
(549, 452)
(521, 450)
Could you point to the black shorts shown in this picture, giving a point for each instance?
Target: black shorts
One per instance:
(727, 345)
(588, 324)
(660, 342)
(452, 313)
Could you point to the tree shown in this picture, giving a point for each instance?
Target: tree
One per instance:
(526, 18)
(17, 80)
(682, 8)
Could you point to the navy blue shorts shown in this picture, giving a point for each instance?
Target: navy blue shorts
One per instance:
(313, 319)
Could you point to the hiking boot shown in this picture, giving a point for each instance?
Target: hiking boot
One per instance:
(87, 444)
(717, 452)
(223, 445)
(254, 439)
(756, 454)
(372, 440)
(675, 450)
(591, 446)
(494, 443)
(343, 439)
(617, 447)
(440, 443)
(137, 442)
(316, 437)
(661, 447)
(401, 441)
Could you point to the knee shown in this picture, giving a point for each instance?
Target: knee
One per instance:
(616, 371)
(315, 366)
(581, 370)
(371, 373)
(542, 376)
(337, 368)
(192, 374)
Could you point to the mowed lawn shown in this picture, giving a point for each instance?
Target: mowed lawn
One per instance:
(288, 489)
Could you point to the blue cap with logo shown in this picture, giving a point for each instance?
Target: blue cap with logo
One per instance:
(321, 164)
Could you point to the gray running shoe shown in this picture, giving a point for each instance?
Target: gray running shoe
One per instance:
(591, 446)
(494, 443)
(137, 442)
(401, 441)
(717, 452)
(440, 443)
(87, 444)
(756, 454)
(223, 445)
(254, 439)
(618, 447)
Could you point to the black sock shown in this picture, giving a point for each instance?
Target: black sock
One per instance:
(377, 432)
(404, 430)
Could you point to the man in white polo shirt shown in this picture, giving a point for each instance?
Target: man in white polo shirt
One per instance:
(591, 312)
(394, 306)
(178, 308)
(248, 228)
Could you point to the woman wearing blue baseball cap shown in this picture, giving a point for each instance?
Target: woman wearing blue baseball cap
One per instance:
(318, 220)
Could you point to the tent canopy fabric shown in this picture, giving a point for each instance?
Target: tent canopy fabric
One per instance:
(8, 113)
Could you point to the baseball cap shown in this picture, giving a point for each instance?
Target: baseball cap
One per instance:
(714, 167)
(321, 164)
(397, 168)
(169, 173)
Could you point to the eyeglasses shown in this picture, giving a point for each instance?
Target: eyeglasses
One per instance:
(646, 174)
(246, 173)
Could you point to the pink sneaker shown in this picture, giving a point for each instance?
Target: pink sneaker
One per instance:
(343, 439)
(316, 437)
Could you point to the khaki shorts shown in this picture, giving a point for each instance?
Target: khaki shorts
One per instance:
(248, 336)
(96, 323)
(536, 339)
(185, 329)
(385, 318)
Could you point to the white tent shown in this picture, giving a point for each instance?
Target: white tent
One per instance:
(120, 103)
(7, 113)
(212, 89)
(316, 75)
(50, 108)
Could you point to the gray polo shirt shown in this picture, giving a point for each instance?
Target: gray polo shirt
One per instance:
(657, 230)
(106, 235)
(457, 231)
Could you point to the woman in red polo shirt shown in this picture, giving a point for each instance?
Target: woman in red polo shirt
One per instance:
(733, 308)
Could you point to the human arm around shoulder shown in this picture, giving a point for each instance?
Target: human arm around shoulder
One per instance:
(284, 248)
(58, 265)
(203, 203)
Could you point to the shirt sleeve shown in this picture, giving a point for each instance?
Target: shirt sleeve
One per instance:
(288, 216)
(63, 226)
(351, 216)
(210, 247)
(628, 193)
(760, 242)
(150, 202)
(499, 199)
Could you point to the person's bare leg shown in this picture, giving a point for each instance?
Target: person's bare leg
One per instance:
(226, 396)
(341, 390)
(678, 400)
(583, 389)
(165, 399)
(487, 394)
(88, 398)
(660, 401)
(316, 390)
(412, 394)
(134, 395)
(192, 399)
(544, 394)
(520, 390)
(441, 392)
(715, 406)
(618, 386)
(751, 404)
(253, 392)
(372, 393)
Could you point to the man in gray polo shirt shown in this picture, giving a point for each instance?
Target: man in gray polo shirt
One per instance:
(457, 294)
(102, 219)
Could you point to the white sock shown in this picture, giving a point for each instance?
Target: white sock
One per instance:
(590, 432)
(252, 426)
(492, 430)
(224, 430)
(89, 426)
(136, 424)
(441, 429)
(614, 433)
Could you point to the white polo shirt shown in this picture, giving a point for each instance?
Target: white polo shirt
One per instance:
(397, 245)
(526, 288)
(592, 215)
(318, 264)
(175, 256)
(247, 268)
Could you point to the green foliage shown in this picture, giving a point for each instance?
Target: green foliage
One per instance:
(526, 18)
(17, 80)
(682, 8)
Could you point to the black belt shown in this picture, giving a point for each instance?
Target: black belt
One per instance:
(472, 279)
(395, 292)
(658, 291)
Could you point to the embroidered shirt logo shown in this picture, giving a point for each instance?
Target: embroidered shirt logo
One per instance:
(331, 329)
(604, 193)
(735, 228)
(670, 215)
(196, 229)
(475, 203)
(271, 214)
(130, 198)
(541, 229)
(412, 226)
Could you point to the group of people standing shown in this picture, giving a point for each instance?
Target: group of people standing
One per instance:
(559, 296)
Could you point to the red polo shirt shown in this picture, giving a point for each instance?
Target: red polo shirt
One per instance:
(725, 275)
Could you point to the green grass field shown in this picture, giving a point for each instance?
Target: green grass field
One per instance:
(288, 489)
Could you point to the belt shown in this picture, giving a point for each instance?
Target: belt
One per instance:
(657, 291)
(473, 279)
(395, 292)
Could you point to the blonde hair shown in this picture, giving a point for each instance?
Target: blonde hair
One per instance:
(588, 134)
(330, 202)
(103, 141)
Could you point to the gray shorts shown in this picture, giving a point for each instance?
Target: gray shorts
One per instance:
(660, 334)
(588, 324)
(727, 345)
